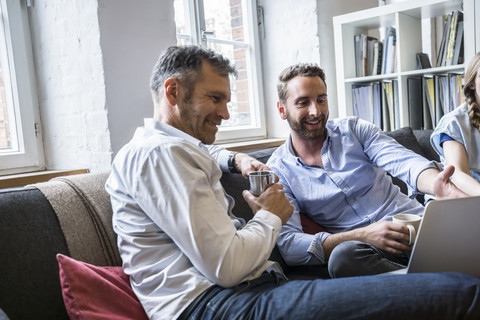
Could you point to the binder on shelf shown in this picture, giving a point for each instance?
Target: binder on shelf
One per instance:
(370, 45)
(415, 102)
(458, 50)
(456, 91)
(388, 65)
(441, 97)
(388, 118)
(364, 54)
(457, 16)
(396, 105)
(429, 103)
(377, 57)
(443, 44)
(358, 55)
(423, 62)
(377, 104)
(362, 96)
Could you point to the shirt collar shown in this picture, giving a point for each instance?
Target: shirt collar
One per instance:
(289, 146)
(151, 123)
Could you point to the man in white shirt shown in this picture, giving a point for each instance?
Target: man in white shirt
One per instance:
(186, 254)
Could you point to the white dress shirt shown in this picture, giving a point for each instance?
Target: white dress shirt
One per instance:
(176, 234)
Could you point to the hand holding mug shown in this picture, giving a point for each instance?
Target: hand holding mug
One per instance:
(411, 221)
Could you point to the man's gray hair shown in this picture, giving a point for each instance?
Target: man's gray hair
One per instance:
(184, 63)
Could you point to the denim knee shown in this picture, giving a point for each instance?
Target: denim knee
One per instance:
(343, 259)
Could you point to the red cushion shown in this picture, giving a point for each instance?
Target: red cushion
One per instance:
(91, 292)
(309, 226)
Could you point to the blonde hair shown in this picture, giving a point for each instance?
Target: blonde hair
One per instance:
(470, 75)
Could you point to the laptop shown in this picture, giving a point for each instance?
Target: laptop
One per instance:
(448, 238)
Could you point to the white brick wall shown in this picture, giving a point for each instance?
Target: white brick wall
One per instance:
(68, 62)
(93, 60)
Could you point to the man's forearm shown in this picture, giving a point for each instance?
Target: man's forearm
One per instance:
(335, 239)
(425, 180)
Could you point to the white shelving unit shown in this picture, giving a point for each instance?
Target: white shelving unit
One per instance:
(406, 17)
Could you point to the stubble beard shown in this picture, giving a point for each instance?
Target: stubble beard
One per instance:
(197, 126)
(307, 134)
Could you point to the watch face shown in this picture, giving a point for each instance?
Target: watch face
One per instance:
(231, 167)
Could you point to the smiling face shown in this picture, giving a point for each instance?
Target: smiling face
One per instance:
(306, 107)
(203, 109)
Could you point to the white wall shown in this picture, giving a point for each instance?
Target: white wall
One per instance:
(94, 58)
(93, 61)
(300, 33)
(290, 35)
(71, 86)
(132, 35)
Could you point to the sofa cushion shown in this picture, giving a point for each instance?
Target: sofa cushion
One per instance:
(92, 292)
(406, 138)
(83, 208)
(30, 239)
(423, 138)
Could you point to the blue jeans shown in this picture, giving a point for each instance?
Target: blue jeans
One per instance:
(412, 296)
(355, 258)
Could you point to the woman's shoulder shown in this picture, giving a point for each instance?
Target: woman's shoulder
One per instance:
(459, 114)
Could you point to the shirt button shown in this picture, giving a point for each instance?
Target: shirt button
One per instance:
(345, 189)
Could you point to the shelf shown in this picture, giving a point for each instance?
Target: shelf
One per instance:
(407, 18)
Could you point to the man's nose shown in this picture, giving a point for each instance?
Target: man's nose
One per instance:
(314, 109)
(222, 111)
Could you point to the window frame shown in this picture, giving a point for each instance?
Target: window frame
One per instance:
(27, 154)
(194, 18)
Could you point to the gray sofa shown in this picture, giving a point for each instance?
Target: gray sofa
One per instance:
(71, 215)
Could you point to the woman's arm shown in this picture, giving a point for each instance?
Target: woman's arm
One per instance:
(455, 154)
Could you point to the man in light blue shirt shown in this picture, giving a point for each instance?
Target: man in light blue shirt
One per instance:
(335, 172)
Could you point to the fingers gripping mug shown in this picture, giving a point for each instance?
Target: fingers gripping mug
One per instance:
(260, 180)
(412, 221)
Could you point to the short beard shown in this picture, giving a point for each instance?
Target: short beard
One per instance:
(303, 132)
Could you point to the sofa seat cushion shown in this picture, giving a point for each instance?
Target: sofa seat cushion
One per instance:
(30, 239)
(93, 292)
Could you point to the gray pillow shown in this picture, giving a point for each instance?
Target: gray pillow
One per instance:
(406, 138)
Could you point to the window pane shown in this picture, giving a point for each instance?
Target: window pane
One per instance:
(227, 26)
(182, 23)
(20, 145)
(241, 114)
(225, 19)
(4, 128)
(6, 110)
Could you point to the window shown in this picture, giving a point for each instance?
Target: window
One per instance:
(229, 27)
(20, 141)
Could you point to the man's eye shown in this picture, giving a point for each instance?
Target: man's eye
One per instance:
(302, 103)
(215, 99)
(323, 100)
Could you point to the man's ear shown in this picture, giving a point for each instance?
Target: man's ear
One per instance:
(170, 87)
(282, 110)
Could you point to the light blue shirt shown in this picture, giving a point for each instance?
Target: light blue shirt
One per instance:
(456, 124)
(350, 191)
(176, 234)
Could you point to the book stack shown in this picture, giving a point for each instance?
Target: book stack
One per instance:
(430, 97)
(368, 55)
(373, 57)
(451, 47)
(377, 102)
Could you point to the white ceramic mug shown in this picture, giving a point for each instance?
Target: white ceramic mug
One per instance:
(260, 180)
(412, 221)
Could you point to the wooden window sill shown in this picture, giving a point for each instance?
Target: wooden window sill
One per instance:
(251, 145)
(21, 179)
